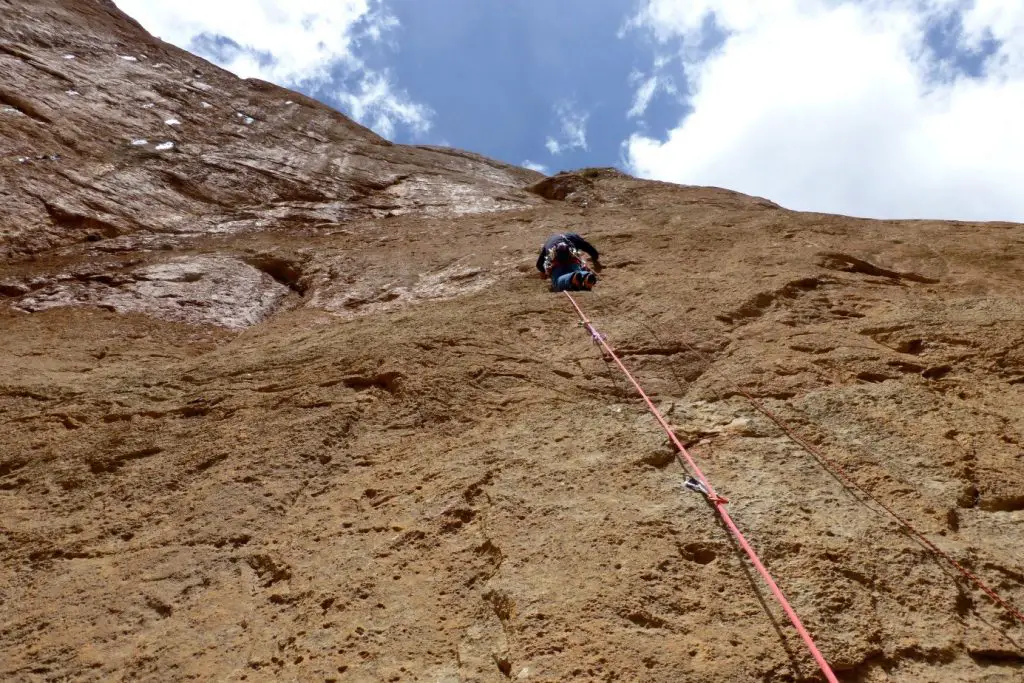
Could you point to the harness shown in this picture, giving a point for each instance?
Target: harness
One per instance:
(562, 253)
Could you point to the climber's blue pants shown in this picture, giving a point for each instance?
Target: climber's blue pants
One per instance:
(561, 278)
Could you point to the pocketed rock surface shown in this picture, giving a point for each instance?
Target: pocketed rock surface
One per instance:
(284, 401)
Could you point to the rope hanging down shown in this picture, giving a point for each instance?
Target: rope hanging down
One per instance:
(838, 471)
(700, 483)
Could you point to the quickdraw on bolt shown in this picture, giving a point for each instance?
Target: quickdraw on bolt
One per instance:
(596, 336)
(698, 486)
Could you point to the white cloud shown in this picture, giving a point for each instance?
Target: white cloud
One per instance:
(303, 37)
(647, 89)
(572, 130)
(294, 43)
(534, 166)
(643, 97)
(834, 106)
(376, 105)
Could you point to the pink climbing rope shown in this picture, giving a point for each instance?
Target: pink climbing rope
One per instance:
(717, 500)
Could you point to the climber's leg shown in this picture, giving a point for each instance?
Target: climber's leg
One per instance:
(574, 280)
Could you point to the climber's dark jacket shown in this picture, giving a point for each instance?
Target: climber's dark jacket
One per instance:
(573, 239)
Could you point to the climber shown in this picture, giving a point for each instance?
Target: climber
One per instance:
(561, 260)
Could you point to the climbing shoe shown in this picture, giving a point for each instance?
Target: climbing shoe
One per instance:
(589, 280)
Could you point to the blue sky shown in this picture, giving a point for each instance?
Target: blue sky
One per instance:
(885, 108)
(512, 70)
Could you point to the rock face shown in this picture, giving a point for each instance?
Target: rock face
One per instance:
(284, 401)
